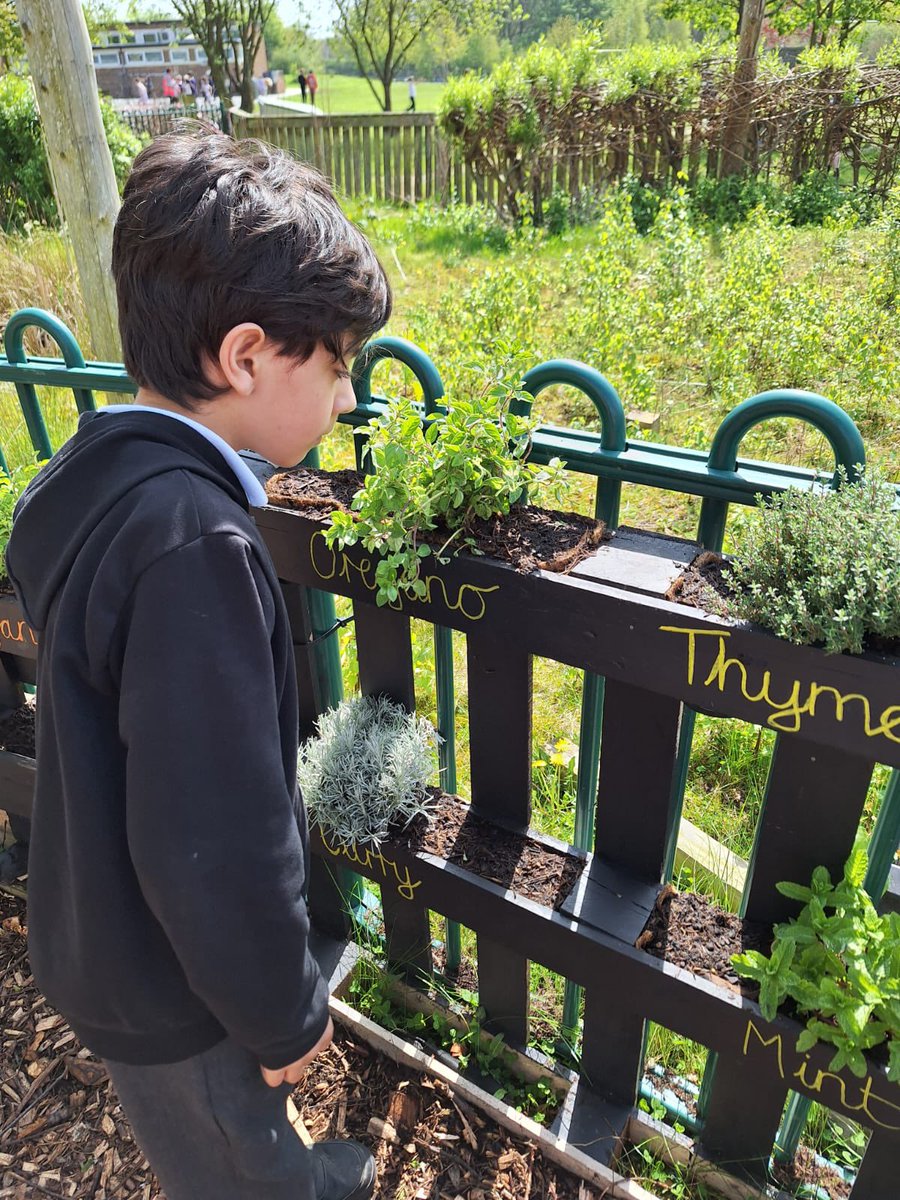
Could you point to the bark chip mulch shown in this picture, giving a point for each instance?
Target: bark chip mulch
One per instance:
(528, 539)
(513, 860)
(690, 931)
(63, 1134)
(17, 730)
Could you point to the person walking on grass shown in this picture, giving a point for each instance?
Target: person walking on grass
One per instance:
(312, 85)
(411, 87)
(169, 855)
(301, 79)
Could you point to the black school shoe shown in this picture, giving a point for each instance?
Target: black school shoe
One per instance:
(344, 1171)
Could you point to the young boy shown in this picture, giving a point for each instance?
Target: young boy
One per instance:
(169, 850)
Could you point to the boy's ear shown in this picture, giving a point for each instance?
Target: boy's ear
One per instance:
(238, 359)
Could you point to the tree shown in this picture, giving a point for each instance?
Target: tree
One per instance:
(59, 53)
(535, 18)
(381, 34)
(823, 18)
(738, 120)
(221, 26)
(285, 44)
(12, 47)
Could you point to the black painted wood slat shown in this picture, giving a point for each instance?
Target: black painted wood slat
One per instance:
(877, 1177)
(503, 979)
(308, 691)
(500, 698)
(813, 803)
(612, 1047)
(745, 1104)
(637, 773)
(634, 802)
(384, 653)
(814, 800)
(329, 883)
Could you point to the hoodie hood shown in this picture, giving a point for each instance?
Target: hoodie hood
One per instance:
(109, 456)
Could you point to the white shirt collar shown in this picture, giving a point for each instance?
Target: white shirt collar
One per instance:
(256, 493)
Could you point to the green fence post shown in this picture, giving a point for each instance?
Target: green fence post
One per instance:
(13, 341)
(849, 453)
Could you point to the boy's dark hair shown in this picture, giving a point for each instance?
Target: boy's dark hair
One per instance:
(213, 232)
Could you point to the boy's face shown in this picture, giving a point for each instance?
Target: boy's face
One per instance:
(294, 405)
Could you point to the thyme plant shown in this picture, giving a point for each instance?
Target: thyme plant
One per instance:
(823, 565)
(839, 961)
(464, 464)
(368, 769)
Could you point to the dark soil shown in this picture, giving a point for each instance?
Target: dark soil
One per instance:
(6, 588)
(513, 860)
(529, 538)
(17, 731)
(704, 584)
(689, 931)
(62, 1132)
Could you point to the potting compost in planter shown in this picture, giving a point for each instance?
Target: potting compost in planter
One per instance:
(599, 598)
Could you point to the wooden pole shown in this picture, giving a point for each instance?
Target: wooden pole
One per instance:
(59, 53)
(734, 159)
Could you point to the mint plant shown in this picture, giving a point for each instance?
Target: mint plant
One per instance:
(823, 566)
(839, 961)
(467, 463)
(368, 769)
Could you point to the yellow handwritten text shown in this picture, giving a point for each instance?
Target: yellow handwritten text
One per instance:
(787, 710)
(367, 857)
(17, 631)
(839, 1093)
(329, 563)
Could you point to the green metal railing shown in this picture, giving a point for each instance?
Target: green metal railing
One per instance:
(719, 477)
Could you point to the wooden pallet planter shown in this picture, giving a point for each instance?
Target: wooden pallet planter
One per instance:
(837, 716)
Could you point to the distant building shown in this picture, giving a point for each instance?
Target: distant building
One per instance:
(147, 48)
(789, 45)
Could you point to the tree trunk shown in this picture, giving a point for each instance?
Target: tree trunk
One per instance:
(59, 52)
(386, 82)
(739, 119)
(223, 91)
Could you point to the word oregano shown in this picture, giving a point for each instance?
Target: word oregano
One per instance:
(839, 961)
(439, 475)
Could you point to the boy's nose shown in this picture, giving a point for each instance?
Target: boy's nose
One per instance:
(346, 400)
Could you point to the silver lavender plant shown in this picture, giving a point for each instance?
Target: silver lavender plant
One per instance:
(367, 770)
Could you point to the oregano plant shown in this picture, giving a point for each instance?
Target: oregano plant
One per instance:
(839, 961)
(465, 464)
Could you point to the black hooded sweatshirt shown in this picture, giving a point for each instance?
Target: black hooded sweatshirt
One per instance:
(169, 849)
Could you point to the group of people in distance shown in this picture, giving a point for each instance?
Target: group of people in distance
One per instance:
(308, 84)
(174, 87)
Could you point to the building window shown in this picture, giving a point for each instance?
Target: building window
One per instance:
(178, 55)
(106, 59)
(148, 36)
(201, 55)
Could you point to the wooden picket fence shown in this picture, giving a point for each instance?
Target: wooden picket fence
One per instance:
(404, 157)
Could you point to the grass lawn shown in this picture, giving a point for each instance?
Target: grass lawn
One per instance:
(351, 94)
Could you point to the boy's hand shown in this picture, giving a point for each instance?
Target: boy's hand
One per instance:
(295, 1071)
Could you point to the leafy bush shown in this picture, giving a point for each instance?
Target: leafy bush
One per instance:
(26, 191)
(468, 463)
(838, 961)
(813, 198)
(730, 200)
(823, 565)
(368, 769)
(11, 488)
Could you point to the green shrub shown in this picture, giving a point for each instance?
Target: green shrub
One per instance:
(823, 565)
(813, 198)
(26, 191)
(11, 488)
(368, 769)
(839, 961)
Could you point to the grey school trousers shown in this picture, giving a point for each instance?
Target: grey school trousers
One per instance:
(212, 1129)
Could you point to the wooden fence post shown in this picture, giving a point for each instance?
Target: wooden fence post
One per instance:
(59, 53)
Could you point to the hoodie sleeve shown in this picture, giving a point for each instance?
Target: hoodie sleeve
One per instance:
(211, 823)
